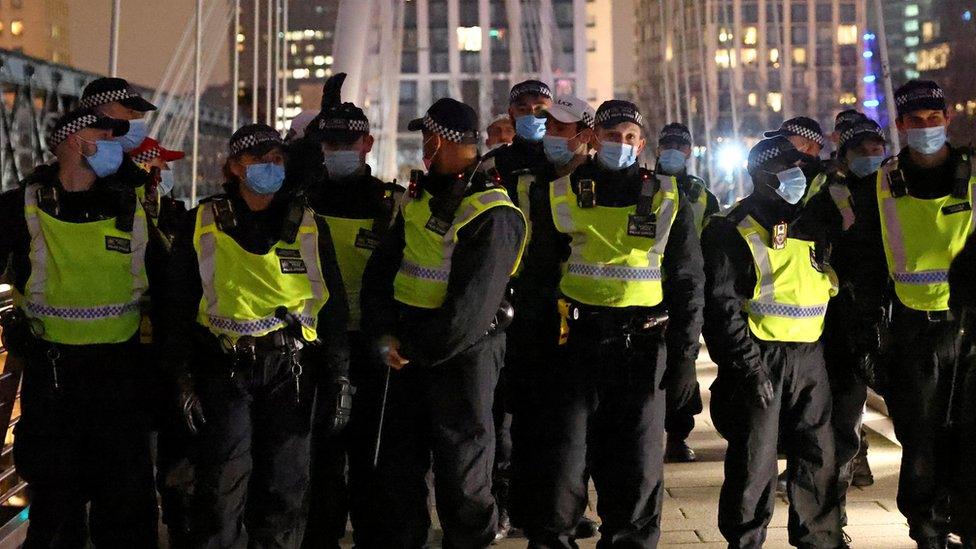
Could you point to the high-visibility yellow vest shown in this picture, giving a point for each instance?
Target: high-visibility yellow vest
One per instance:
(921, 238)
(242, 290)
(841, 196)
(86, 279)
(791, 295)
(607, 266)
(354, 242)
(426, 265)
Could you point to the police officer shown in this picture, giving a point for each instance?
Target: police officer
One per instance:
(525, 102)
(766, 296)
(831, 168)
(631, 259)
(924, 198)
(673, 152)
(115, 98)
(256, 312)
(532, 338)
(430, 294)
(842, 216)
(76, 238)
(804, 133)
(359, 209)
(499, 133)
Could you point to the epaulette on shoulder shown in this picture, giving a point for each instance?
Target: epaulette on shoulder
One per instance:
(890, 162)
(213, 198)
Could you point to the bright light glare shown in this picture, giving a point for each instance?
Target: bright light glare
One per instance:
(731, 156)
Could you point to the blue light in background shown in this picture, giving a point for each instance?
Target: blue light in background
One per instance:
(869, 36)
(967, 15)
(868, 54)
(871, 103)
(870, 78)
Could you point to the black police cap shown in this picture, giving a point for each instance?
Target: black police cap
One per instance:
(675, 133)
(107, 90)
(80, 119)
(450, 119)
(615, 111)
(917, 95)
(801, 126)
(774, 153)
(256, 139)
(529, 87)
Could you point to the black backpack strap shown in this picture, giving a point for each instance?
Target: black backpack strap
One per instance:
(387, 209)
(649, 186)
(125, 219)
(962, 175)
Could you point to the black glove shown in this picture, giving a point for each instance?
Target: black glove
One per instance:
(681, 383)
(189, 403)
(757, 388)
(344, 390)
(870, 372)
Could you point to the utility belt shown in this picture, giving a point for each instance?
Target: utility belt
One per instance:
(931, 317)
(22, 337)
(609, 325)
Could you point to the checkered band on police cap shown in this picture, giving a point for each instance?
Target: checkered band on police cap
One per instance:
(621, 111)
(244, 143)
(770, 149)
(675, 132)
(918, 95)
(343, 125)
(533, 87)
(445, 132)
(860, 130)
(146, 156)
(61, 132)
(93, 101)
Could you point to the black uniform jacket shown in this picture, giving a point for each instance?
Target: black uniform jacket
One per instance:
(515, 158)
(681, 266)
(482, 261)
(257, 233)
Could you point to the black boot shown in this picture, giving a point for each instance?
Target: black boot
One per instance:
(586, 528)
(678, 451)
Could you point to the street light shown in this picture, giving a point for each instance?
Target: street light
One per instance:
(731, 156)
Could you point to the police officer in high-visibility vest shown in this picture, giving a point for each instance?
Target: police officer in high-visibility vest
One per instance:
(766, 297)
(924, 199)
(255, 312)
(115, 98)
(673, 153)
(532, 338)
(163, 209)
(433, 300)
(77, 239)
(359, 209)
(830, 168)
(525, 103)
(840, 217)
(807, 136)
(630, 260)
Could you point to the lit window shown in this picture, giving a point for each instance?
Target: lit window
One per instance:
(748, 56)
(774, 55)
(911, 10)
(16, 28)
(299, 73)
(911, 74)
(329, 60)
(800, 56)
(911, 25)
(1, 28)
(318, 60)
(319, 35)
(933, 59)
(55, 31)
(847, 35)
(240, 37)
(722, 58)
(750, 37)
(469, 38)
(309, 47)
(911, 41)
(848, 99)
(911, 58)
(753, 99)
(293, 48)
(775, 101)
(724, 35)
(319, 73)
(930, 31)
(309, 33)
(668, 52)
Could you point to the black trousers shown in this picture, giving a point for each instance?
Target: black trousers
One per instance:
(603, 412)
(801, 411)
(251, 458)
(502, 414)
(679, 421)
(964, 496)
(87, 442)
(920, 366)
(444, 412)
(849, 395)
(336, 471)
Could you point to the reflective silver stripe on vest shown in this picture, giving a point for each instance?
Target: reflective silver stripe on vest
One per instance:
(783, 310)
(615, 272)
(665, 213)
(922, 278)
(251, 327)
(841, 196)
(764, 266)
(562, 188)
(410, 268)
(36, 296)
(309, 246)
(896, 242)
(208, 257)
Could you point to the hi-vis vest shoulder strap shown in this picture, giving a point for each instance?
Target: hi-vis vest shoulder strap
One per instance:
(242, 291)
(615, 254)
(523, 188)
(815, 187)
(841, 196)
(87, 279)
(921, 238)
(426, 265)
(791, 294)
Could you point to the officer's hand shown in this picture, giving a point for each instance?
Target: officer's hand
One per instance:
(758, 388)
(344, 390)
(189, 403)
(389, 351)
(871, 372)
(680, 383)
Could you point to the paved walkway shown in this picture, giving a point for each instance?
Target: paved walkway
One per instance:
(691, 502)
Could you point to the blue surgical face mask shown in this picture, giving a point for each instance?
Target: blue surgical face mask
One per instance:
(616, 156)
(792, 185)
(106, 159)
(557, 150)
(135, 136)
(863, 166)
(530, 128)
(265, 178)
(672, 161)
(927, 140)
(342, 164)
(166, 182)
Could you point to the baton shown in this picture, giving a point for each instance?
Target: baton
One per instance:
(379, 428)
